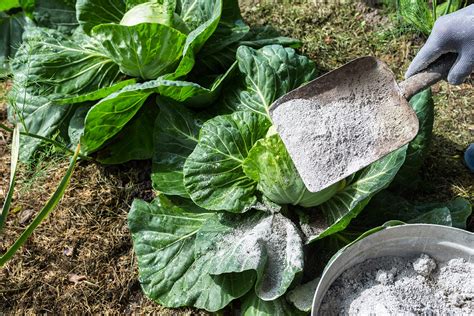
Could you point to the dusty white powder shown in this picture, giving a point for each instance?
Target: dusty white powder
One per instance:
(396, 285)
(272, 246)
(341, 136)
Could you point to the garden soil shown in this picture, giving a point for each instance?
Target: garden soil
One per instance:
(80, 259)
(403, 286)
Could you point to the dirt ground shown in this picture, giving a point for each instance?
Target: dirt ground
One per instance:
(80, 260)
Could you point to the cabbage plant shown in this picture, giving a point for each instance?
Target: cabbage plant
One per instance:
(98, 83)
(233, 219)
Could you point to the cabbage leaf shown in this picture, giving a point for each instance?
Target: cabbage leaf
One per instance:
(90, 13)
(134, 141)
(206, 260)
(111, 114)
(11, 31)
(175, 137)
(50, 66)
(171, 271)
(335, 214)
(408, 177)
(54, 14)
(213, 174)
(146, 50)
(269, 163)
(268, 73)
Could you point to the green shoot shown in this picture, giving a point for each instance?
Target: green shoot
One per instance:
(48, 208)
(14, 162)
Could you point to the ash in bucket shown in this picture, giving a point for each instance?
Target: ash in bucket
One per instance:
(398, 285)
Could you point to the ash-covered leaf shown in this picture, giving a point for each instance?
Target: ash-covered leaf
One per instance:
(302, 295)
(268, 244)
(171, 272)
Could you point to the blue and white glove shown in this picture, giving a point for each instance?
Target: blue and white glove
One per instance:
(451, 33)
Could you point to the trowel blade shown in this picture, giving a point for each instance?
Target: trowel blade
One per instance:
(343, 121)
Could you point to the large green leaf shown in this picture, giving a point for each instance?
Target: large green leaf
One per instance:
(260, 36)
(196, 12)
(335, 214)
(266, 243)
(269, 163)
(268, 73)
(57, 14)
(94, 12)
(219, 52)
(170, 271)
(213, 174)
(231, 28)
(202, 18)
(53, 65)
(195, 94)
(408, 177)
(145, 50)
(11, 30)
(175, 136)
(45, 120)
(110, 115)
(50, 66)
(97, 94)
(135, 140)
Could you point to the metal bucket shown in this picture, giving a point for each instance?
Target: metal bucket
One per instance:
(440, 242)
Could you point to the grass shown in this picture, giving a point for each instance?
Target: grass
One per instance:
(80, 260)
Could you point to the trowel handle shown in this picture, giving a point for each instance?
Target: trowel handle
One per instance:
(435, 72)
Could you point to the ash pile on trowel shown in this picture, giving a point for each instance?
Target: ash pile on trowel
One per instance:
(339, 137)
(396, 285)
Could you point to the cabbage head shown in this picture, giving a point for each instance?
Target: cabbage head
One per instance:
(151, 12)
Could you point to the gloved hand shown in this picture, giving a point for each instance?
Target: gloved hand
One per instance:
(451, 33)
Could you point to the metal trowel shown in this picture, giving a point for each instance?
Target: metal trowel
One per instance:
(350, 117)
